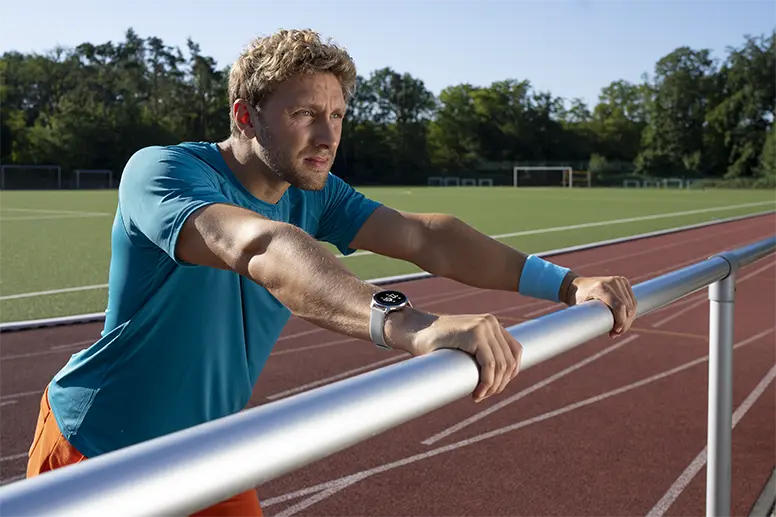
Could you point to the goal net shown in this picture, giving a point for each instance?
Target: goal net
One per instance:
(550, 176)
(30, 177)
(457, 181)
(93, 178)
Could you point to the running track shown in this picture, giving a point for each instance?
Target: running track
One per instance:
(572, 436)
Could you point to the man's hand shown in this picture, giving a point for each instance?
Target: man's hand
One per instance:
(497, 353)
(614, 291)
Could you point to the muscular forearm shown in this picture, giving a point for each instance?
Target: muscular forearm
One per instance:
(313, 284)
(455, 250)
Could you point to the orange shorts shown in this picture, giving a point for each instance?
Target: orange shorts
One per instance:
(51, 450)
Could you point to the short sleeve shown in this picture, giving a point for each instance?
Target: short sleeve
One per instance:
(343, 212)
(159, 189)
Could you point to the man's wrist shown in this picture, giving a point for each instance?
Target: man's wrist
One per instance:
(542, 279)
(403, 326)
(568, 290)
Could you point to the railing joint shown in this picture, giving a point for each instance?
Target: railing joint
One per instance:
(732, 260)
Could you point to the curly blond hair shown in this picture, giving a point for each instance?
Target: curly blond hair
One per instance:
(273, 59)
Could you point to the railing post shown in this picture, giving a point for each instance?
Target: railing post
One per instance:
(720, 411)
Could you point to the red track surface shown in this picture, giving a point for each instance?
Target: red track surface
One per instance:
(571, 446)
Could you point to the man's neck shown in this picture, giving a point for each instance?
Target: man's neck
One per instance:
(251, 172)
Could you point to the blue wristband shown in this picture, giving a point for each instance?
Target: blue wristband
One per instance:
(541, 279)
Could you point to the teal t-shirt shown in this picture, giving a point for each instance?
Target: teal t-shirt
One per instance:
(182, 344)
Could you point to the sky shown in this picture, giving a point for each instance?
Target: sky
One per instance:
(570, 48)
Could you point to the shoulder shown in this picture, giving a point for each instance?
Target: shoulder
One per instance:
(336, 186)
(332, 191)
(158, 163)
(161, 155)
(341, 199)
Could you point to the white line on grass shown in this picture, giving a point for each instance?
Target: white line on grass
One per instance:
(49, 211)
(53, 291)
(537, 231)
(45, 217)
(607, 223)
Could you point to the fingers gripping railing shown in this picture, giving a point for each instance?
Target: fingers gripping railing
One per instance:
(198, 467)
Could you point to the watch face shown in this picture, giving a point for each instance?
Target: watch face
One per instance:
(390, 298)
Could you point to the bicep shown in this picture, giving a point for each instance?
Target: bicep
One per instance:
(222, 236)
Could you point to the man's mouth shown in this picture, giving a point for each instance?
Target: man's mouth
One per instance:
(318, 161)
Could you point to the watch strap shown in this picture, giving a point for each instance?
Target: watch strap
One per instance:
(377, 327)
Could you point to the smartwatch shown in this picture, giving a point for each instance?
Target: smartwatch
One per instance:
(384, 302)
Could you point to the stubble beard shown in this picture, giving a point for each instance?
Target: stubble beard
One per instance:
(281, 163)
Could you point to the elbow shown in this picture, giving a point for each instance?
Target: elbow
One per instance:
(442, 222)
(254, 246)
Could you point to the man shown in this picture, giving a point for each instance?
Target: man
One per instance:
(215, 245)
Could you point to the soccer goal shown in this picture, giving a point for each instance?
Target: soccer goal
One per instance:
(574, 178)
(31, 177)
(543, 176)
(93, 178)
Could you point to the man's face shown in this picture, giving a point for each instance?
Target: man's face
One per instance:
(299, 128)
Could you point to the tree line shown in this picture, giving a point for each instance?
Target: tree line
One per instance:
(693, 116)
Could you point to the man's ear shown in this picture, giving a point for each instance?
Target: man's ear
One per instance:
(244, 114)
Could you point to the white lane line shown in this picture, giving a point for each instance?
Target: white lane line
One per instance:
(5, 481)
(325, 344)
(636, 279)
(21, 394)
(499, 236)
(299, 334)
(324, 494)
(71, 345)
(517, 396)
(342, 375)
(699, 462)
(53, 350)
(633, 280)
(652, 249)
(358, 476)
(704, 300)
(547, 306)
(66, 345)
(14, 456)
(607, 223)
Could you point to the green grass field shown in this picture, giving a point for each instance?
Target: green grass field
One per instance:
(61, 240)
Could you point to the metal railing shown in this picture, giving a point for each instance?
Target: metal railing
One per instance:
(192, 469)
